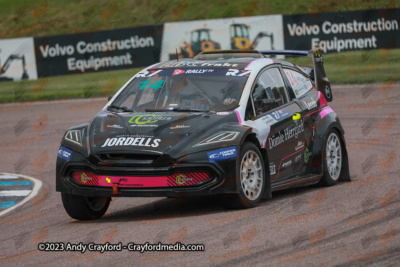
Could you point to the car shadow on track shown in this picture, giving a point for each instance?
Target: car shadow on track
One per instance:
(169, 208)
(166, 208)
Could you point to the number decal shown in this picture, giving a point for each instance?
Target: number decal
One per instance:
(144, 84)
(156, 85)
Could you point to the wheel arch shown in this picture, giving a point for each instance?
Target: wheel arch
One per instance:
(321, 133)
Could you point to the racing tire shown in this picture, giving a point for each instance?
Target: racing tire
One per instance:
(251, 173)
(85, 208)
(332, 159)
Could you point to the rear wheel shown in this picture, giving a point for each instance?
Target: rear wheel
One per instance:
(251, 172)
(85, 208)
(333, 158)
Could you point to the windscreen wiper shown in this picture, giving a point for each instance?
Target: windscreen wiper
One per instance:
(121, 108)
(175, 109)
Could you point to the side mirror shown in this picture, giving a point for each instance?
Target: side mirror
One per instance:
(296, 116)
(109, 97)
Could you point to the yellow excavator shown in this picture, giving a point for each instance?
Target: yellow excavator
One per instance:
(200, 41)
(240, 39)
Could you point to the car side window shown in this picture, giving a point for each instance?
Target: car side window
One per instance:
(269, 91)
(300, 83)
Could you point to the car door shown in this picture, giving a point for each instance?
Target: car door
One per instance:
(307, 97)
(273, 106)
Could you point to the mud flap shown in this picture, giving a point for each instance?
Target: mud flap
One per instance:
(345, 175)
(267, 188)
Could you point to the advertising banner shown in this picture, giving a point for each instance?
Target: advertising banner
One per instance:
(98, 51)
(343, 31)
(188, 38)
(17, 60)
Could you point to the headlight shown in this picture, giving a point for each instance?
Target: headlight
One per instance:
(219, 137)
(74, 136)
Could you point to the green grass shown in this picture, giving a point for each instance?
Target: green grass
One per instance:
(21, 18)
(64, 87)
(347, 67)
(367, 66)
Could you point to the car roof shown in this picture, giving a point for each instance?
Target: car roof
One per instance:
(228, 59)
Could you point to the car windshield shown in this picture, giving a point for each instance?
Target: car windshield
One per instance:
(186, 90)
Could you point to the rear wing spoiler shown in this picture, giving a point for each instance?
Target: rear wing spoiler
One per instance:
(321, 81)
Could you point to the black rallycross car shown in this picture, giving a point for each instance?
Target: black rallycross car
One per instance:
(235, 123)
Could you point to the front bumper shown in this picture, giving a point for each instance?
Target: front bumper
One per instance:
(222, 177)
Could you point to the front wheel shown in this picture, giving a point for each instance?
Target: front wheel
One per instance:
(333, 158)
(85, 208)
(251, 172)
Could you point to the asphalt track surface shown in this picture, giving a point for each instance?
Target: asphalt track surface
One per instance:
(356, 223)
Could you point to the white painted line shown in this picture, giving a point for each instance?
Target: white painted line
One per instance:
(37, 185)
(14, 193)
(2, 176)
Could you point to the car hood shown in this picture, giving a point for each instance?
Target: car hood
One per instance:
(155, 132)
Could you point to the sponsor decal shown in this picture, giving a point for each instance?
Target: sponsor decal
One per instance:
(300, 83)
(310, 104)
(192, 71)
(307, 155)
(287, 164)
(280, 114)
(308, 84)
(318, 57)
(178, 71)
(300, 145)
(233, 72)
(108, 180)
(275, 141)
(145, 125)
(222, 154)
(222, 113)
(179, 127)
(181, 179)
(146, 119)
(85, 178)
(269, 119)
(124, 182)
(115, 126)
(64, 153)
(286, 135)
(272, 169)
(130, 141)
(198, 70)
(193, 63)
(150, 73)
(298, 157)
